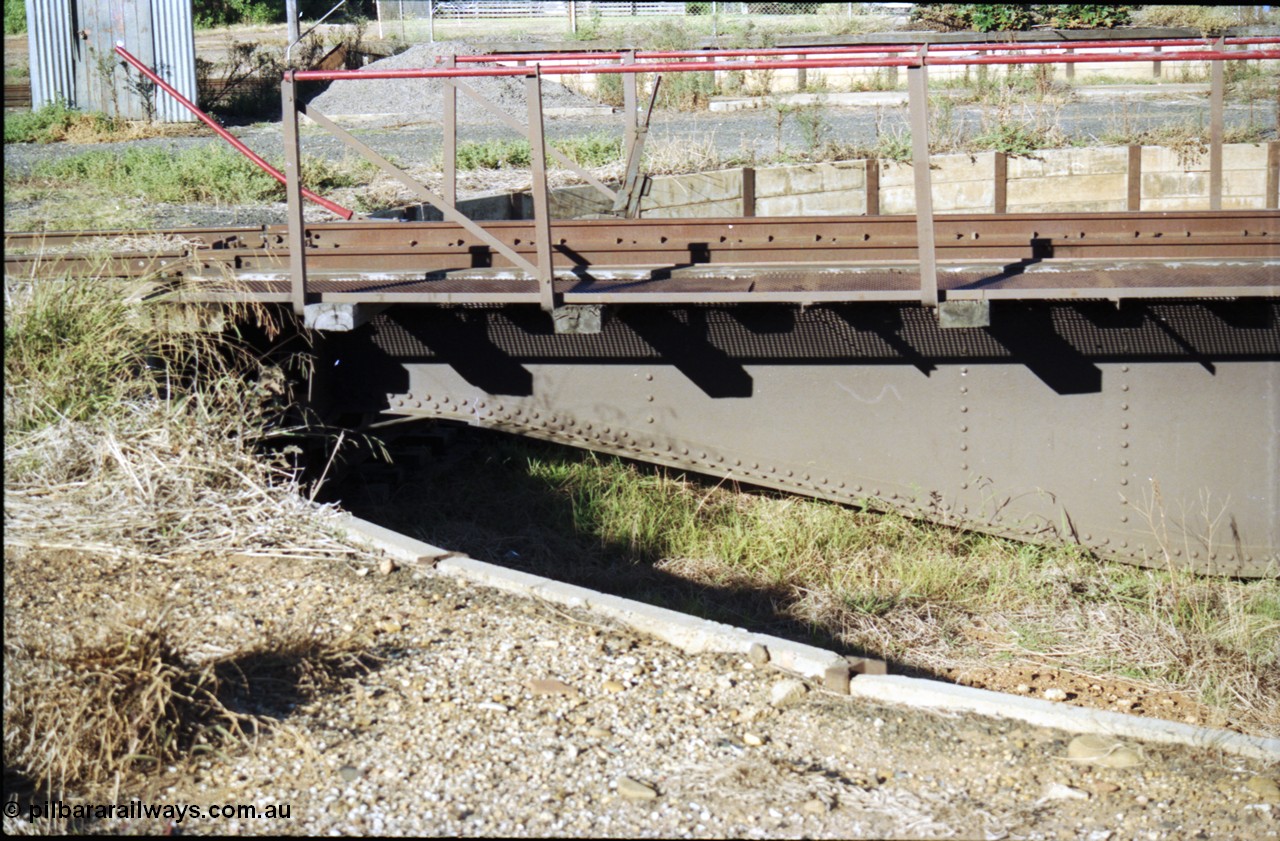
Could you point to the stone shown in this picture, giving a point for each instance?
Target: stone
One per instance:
(1102, 750)
(814, 807)
(597, 732)
(387, 566)
(1055, 694)
(1263, 789)
(1101, 788)
(612, 686)
(786, 693)
(752, 739)
(349, 773)
(757, 654)
(635, 790)
(1058, 791)
(549, 686)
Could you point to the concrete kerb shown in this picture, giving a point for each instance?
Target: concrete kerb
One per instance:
(698, 636)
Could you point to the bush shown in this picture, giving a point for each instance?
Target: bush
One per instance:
(15, 17)
(51, 123)
(1016, 17)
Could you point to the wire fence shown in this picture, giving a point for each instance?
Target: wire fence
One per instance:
(438, 20)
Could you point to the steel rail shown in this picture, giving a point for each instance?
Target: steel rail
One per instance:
(591, 246)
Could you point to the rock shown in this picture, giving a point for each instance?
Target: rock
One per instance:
(1101, 788)
(1058, 791)
(596, 732)
(1263, 789)
(349, 773)
(1055, 694)
(362, 571)
(635, 790)
(752, 739)
(549, 686)
(758, 654)
(612, 686)
(786, 693)
(814, 807)
(1102, 750)
(387, 566)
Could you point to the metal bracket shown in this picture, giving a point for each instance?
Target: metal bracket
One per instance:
(964, 314)
(580, 319)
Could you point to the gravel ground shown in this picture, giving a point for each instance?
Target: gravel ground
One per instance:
(487, 714)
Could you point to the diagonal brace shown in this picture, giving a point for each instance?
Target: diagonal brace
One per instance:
(446, 209)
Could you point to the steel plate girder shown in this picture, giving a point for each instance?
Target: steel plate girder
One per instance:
(1148, 435)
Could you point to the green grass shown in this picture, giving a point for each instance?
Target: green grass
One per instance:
(592, 150)
(204, 174)
(51, 123)
(15, 17)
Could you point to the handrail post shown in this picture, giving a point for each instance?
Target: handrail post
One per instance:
(1217, 93)
(630, 102)
(293, 194)
(450, 142)
(541, 204)
(918, 102)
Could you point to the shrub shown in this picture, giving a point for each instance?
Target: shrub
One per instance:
(15, 17)
(53, 122)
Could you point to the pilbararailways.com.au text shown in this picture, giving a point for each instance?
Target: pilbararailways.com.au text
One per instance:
(137, 810)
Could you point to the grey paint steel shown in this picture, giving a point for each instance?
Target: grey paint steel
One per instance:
(1151, 440)
(71, 43)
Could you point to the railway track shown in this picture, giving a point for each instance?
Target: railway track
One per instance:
(1224, 253)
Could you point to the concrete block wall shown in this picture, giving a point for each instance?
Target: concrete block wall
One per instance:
(1069, 180)
(1090, 180)
(961, 184)
(1179, 180)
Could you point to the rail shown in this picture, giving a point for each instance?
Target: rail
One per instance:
(533, 67)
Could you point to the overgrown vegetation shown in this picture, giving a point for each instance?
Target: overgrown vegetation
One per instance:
(212, 173)
(878, 583)
(1014, 17)
(592, 150)
(132, 437)
(15, 17)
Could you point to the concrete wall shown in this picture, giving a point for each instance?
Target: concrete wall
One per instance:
(1052, 180)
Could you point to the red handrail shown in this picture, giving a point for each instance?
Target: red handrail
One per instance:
(695, 66)
(226, 135)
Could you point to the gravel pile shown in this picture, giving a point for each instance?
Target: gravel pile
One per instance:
(423, 99)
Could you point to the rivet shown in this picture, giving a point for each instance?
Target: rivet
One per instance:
(1124, 502)
(649, 377)
(737, 462)
(1195, 554)
(1124, 426)
(876, 492)
(773, 469)
(964, 509)
(1124, 388)
(1088, 537)
(684, 451)
(755, 465)
(535, 415)
(700, 455)
(1124, 445)
(840, 486)
(790, 473)
(806, 477)
(480, 404)
(435, 405)
(1124, 369)
(857, 488)
(1124, 407)
(964, 370)
(417, 404)
(607, 431)
(426, 397)
(1124, 518)
(964, 485)
(964, 466)
(649, 398)
(1124, 462)
(964, 389)
(1177, 553)
(964, 409)
(964, 428)
(964, 447)
(649, 419)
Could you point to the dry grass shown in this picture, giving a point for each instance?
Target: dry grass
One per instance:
(85, 715)
(129, 443)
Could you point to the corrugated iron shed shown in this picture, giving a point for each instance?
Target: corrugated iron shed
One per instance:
(71, 44)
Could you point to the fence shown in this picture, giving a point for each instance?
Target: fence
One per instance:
(431, 20)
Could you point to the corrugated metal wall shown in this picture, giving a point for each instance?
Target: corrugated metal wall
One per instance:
(72, 55)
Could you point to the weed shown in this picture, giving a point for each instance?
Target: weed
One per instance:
(55, 122)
